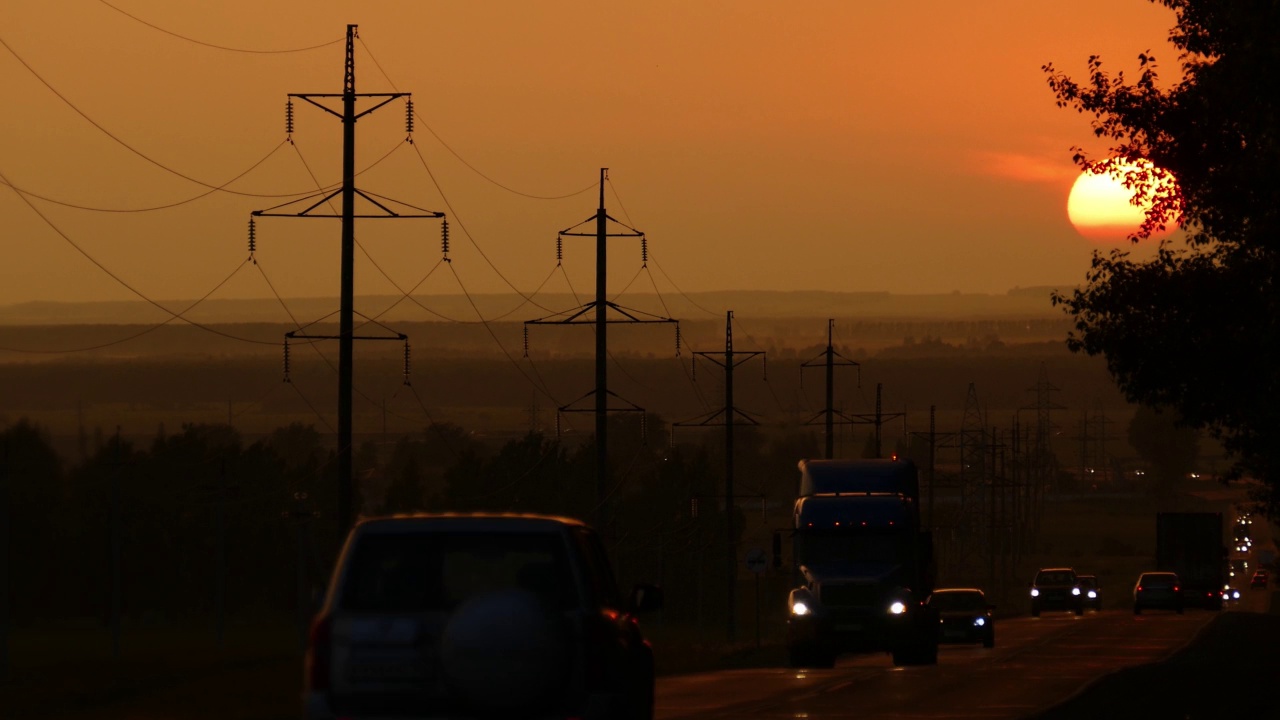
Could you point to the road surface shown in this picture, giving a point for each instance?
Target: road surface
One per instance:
(1037, 663)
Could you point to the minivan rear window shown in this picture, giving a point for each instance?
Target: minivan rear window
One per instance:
(437, 571)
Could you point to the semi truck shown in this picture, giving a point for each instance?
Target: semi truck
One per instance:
(863, 567)
(1192, 545)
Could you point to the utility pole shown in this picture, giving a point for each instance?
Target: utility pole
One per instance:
(600, 319)
(727, 359)
(117, 531)
(346, 322)
(878, 419)
(6, 479)
(220, 561)
(829, 361)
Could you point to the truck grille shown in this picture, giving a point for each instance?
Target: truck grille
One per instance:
(850, 595)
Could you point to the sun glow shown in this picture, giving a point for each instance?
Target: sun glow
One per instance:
(1101, 208)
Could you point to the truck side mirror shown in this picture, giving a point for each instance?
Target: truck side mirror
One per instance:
(777, 550)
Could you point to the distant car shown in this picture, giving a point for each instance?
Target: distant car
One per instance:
(963, 616)
(1157, 590)
(1259, 580)
(1230, 594)
(1056, 589)
(1091, 591)
(472, 615)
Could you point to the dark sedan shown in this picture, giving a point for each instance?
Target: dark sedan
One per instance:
(964, 616)
(1157, 590)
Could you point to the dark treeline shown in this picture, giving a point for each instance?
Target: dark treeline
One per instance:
(178, 503)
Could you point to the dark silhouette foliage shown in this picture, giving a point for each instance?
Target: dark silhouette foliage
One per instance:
(1197, 327)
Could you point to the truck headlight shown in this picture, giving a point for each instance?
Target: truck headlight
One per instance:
(1075, 591)
(897, 608)
(1035, 592)
(799, 608)
(980, 622)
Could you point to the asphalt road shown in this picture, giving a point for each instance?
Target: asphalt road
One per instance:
(1037, 663)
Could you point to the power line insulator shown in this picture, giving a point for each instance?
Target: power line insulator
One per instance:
(286, 361)
(557, 425)
(526, 341)
(693, 507)
(408, 119)
(253, 237)
(444, 239)
(288, 119)
(644, 251)
(677, 339)
(559, 249)
(406, 362)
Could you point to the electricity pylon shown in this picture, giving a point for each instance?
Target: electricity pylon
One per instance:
(348, 191)
(601, 305)
(727, 359)
(830, 359)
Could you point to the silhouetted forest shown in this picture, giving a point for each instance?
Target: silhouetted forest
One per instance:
(202, 518)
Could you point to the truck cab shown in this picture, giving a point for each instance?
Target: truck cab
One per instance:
(863, 568)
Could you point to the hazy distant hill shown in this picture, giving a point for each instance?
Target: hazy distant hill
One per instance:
(1017, 303)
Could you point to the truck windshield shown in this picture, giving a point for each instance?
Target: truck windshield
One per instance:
(833, 548)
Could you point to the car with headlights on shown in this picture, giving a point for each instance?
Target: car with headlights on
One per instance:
(1230, 594)
(1091, 591)
(1157, 590)
(1056, 589)
(964, 616)
(478, 615)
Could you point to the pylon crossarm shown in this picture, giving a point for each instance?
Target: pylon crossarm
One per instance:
(704, 421)
(389, 98)
(323, 199)
(744, 416)
(322, 106)
(569, 229)
(638, 233)
(627, 312)
(577, 313)
(367, 193)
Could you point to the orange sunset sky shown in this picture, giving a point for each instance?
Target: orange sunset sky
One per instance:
(845, 145)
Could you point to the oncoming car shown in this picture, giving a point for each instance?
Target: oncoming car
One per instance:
(447, 616)
(963, 616)
(1056, 589)
(1090, 591)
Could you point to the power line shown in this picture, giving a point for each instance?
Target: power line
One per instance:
(126, 145)
(462, 159)
(120, 280)
(138, 334)
(470, 238)
(219, 47)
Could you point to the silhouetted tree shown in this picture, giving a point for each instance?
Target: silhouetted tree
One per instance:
(1196, 328)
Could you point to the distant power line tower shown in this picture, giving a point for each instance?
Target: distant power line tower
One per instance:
(830, 359)
(348, 192)
(601, 320)
(727, 359)
(1042, 463)
(878, 419)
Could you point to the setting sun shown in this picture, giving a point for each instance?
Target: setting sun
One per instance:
(1100, 206)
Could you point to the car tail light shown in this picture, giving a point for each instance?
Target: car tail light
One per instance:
(1176, 588)
(1139, 588)
(319, 644)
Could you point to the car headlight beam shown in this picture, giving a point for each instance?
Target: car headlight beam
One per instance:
(1035, 592)
(1075, 591)
(799, 608)
(897, 608)
(1093, 594)
(979, 622)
